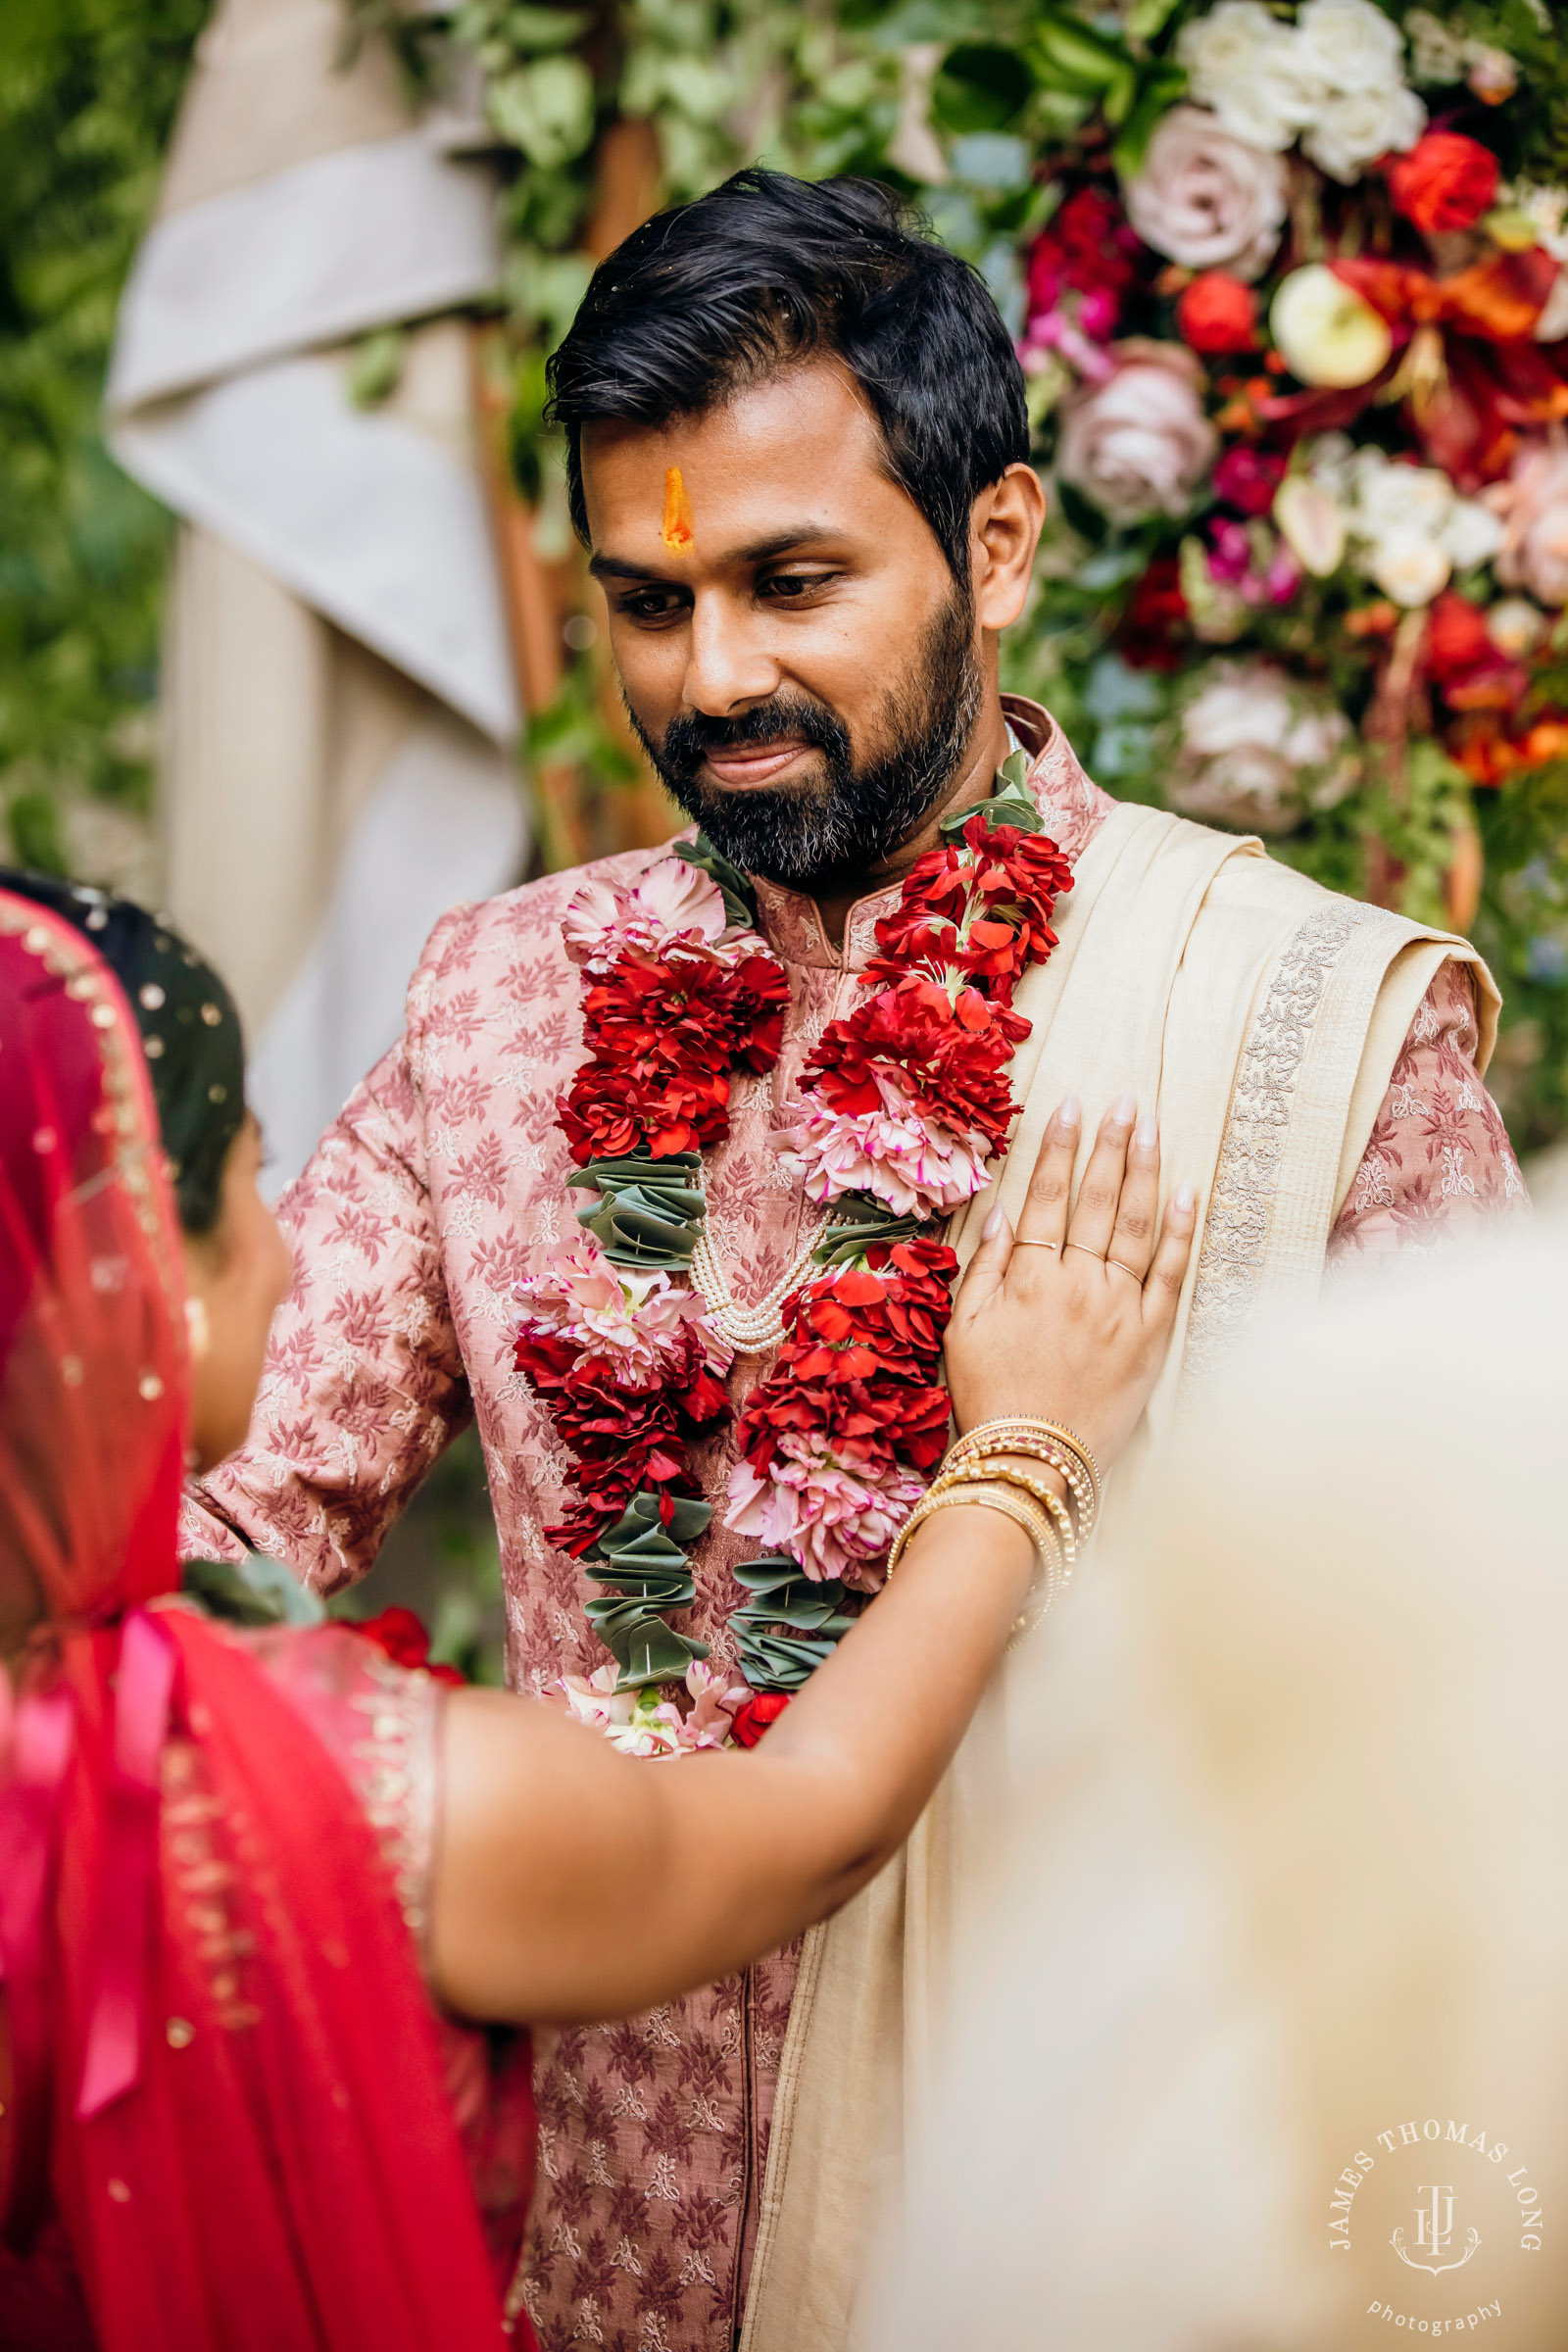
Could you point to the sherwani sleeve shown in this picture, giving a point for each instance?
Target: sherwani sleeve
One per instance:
(1438, 1162)
(363, 1381)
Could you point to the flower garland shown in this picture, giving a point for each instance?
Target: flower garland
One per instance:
(679, 991)
(904, 1111)
(907, 1109)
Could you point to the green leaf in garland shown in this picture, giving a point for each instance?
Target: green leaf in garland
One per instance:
(649, 1212)
(740, 900)
(1009, 805)
(857, 1221)
(645, 1570)
(784, 1595)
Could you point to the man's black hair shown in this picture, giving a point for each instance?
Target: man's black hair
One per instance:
(767, 272)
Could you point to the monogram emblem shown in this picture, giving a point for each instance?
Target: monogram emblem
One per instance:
(1433, 2234)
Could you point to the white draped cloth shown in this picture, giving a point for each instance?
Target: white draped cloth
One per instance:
(340, 706)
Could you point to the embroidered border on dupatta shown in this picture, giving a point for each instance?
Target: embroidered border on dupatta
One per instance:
(1241, 1212)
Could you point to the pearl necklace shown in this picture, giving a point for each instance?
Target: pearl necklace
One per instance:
(750, 1330)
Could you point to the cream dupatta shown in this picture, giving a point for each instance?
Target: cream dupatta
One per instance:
(1262, 1017)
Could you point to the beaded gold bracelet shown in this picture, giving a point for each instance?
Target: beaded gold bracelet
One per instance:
(1018, 1434)
(1045, 1450)
(984, 1471)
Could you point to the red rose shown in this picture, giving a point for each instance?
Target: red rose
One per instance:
(1154, 619)
(1216, 313)
(759, 1710)
(1456, 636)
(1446, 182)
(398, 1634)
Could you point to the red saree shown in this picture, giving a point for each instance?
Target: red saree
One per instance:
(226, 2086)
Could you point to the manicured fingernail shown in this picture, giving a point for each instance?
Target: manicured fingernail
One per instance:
(1070, 1111)
(1124, 1109)
(1148, 1135)
(1186, 1198)
(992, 1225)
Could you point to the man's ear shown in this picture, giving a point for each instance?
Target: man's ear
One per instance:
(1005, 524)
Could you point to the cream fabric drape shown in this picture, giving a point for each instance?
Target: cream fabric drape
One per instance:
(1245, 1005)
(340, 711)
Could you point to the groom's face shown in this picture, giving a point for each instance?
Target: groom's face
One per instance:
(795, 654)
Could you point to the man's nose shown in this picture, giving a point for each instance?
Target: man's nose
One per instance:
(730, 667)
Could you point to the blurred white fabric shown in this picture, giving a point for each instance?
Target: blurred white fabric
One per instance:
(1293, 1882)
(340, 704)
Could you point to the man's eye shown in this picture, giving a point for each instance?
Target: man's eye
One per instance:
(791, 585)
(651, 604)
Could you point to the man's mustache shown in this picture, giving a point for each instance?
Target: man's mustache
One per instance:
(692, 734)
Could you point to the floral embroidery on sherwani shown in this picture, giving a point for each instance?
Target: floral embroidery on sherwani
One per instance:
(443, 1181)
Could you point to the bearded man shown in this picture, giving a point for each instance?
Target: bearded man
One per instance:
(798, 450)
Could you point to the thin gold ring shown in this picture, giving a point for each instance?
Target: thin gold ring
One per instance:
(1088, 1252)
(1126, 1269)
(1021, 1242)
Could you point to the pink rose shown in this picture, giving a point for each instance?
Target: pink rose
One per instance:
(1139, 444)
(1206, 200)
(1534, 505)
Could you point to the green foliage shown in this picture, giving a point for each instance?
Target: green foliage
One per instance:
(88, 94)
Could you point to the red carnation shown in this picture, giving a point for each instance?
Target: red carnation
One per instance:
(1446, 182)
(399, 1635)
(1216, 314)
(763, 1708)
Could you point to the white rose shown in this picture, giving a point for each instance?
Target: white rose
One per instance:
(1221, 49)
(1409, 566)
(1242, 705)
(1472, 533)
(1252, 72)
(1257, 750)
(1206, 200)
(1326, 334)
(1353, 130)
(1316, 737)
(1350, 44)
(1398, 498)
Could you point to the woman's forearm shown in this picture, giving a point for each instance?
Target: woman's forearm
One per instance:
(578, 1884)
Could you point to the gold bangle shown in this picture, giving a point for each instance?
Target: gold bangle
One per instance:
(997, 1437)
(993, 1434)
(984, 1471)
(1036, 1526)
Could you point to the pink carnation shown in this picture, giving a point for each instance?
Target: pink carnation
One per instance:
(641, 1724)
(913, 1166)
(639, 1322)
(671, 901)
(836, 1522)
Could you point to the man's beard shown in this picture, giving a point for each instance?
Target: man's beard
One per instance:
(805, 835)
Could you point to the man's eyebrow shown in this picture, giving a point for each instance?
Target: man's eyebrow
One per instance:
(761, 551)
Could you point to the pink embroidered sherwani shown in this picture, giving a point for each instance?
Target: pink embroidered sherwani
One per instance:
(444, 1181)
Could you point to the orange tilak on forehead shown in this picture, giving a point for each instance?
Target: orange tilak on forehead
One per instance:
(677, 527)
